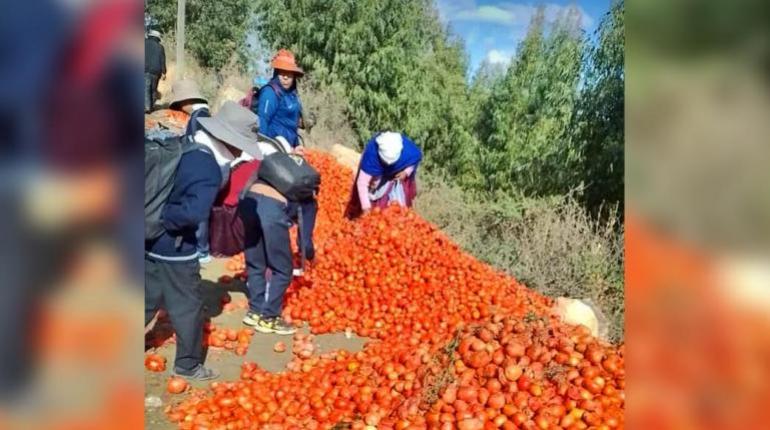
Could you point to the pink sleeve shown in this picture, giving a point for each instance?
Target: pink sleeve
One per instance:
(363, 189)
(409, 170)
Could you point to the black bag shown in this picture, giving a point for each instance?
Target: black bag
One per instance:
(162, 152)
(289, 174)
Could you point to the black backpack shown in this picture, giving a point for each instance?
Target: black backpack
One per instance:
(162, 151)
(290, 174)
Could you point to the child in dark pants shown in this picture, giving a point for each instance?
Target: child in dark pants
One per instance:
(265, 215)
(172, 269)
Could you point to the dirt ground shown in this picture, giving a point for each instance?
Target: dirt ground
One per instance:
(226, 362)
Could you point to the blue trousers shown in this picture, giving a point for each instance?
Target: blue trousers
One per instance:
(309, 212)
(266, 226)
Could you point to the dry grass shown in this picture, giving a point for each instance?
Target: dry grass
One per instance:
(550, 244)
(329, 108)
(229, 84)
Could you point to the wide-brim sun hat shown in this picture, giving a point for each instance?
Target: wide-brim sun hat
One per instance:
(284, 60)
(236, 126)
(185, 90)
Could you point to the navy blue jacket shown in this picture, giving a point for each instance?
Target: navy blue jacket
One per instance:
(195, 187)
(279, 113)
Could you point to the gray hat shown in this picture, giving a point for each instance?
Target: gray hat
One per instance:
(185, 90)
(236, 126)
(153, 33)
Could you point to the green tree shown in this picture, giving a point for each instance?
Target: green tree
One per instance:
(397, 66)
(215, 30)
(599, 119)
(523, 126)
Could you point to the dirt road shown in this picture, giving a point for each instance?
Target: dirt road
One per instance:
(229, 364)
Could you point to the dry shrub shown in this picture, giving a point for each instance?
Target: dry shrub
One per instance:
(230, 83)
(329, 108)
(550, 244)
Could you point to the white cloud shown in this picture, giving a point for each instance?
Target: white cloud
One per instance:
(491, 14)
(496, 56)
(506, 13)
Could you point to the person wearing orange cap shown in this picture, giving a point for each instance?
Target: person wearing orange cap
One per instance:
(279, 108)
(280, 115)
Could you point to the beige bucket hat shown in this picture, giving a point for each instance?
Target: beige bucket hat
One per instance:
(184, 90)
(236, 126)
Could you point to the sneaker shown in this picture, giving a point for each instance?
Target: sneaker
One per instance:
(201, 373)
(274, 325)
(252, 319)
(204, 259)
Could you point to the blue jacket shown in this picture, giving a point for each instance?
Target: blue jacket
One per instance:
(279, 113)
(195, 187)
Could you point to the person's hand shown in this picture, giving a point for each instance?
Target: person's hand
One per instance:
(299, 150)
(401, 175)
(366, 211)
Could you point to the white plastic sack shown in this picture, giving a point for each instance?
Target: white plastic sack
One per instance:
(397, 194)
(582, 312)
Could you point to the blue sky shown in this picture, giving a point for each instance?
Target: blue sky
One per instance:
(493, 28)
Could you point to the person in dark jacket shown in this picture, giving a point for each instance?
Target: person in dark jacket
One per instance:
(186, 97)
(172, 270)
(154, 67)
(280, 116)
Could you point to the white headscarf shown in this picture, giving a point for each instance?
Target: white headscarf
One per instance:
(389, 146)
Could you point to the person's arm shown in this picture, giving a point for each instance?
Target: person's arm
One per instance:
(362, 185)
(202, 179)
(268, 106)
(402, 175)
(163, 61)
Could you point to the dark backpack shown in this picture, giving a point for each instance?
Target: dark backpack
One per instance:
(290, 174)
(193, 125)
(251, 100)
(162, 152)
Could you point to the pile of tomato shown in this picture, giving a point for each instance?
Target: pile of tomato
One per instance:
(454, 343)
(236, 340)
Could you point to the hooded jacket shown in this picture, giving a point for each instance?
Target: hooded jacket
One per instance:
(279, 111)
